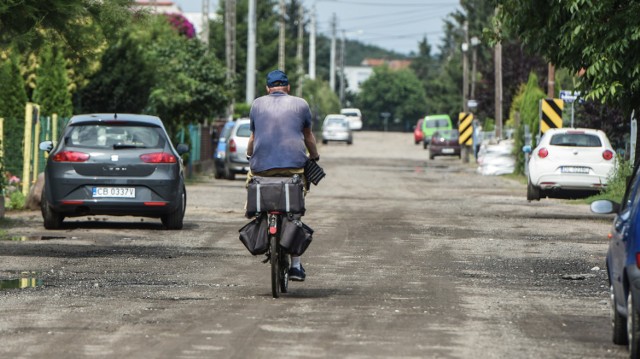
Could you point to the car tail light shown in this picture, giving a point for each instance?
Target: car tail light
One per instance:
(155, 204)
(158, 157)
(638, 259)
(70, 156)
(232, 146)
(543, 152)
(607, 155)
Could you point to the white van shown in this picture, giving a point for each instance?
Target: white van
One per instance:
(354, 116)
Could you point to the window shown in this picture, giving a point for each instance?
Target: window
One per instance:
(575, 140)
(103, 136)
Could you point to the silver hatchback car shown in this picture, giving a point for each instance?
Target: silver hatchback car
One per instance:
(235, 161)
(114, 164)
(336, 128)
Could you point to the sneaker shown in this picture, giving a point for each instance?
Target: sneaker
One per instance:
(297, 274)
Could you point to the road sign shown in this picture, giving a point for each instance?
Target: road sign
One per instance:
(550, 114)
(465, 128)
(569, 96)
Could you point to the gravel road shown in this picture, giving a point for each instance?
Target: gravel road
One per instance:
(411, 258)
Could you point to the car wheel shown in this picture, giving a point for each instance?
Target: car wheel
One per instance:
(424, 145)
(229, 174)
(324, 142)
(533, 192)
(633, 326)
(217, 174)
(51, 218)
(349, 142)
(417, 142)
(431, 156)
(175, 219)
(618, 322)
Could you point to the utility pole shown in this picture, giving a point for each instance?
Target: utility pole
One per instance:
(498, 90)
(342, 47)
(474, 48)
(551, 73)
(299, 51)
(332, 60)
(230, 39)
(312, 45)
(251, 54)
(205, 23)
(465, 68)
(282, 39)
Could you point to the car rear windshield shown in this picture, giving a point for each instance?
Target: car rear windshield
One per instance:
(107, 136)
(352, 114)
(575, 140)
(335, 122)
(244, 130)
(437, 123)
(448, 135)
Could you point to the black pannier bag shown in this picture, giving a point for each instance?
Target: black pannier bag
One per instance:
(295, 236)
(254, 235)
(282, 194)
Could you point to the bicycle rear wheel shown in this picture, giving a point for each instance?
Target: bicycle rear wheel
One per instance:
(275, 266)
(284, 270)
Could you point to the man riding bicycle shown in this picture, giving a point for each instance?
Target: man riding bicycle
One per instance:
(280, 138)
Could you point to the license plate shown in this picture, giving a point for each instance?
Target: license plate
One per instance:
(447, 150)
(568, 169)
(114, 192)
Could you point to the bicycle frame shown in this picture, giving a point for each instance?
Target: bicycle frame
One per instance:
(277, 256)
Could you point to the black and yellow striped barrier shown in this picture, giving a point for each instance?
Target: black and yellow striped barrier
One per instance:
(465, 127)
(551, 114)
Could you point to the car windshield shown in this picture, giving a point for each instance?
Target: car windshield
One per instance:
(335, 122)
(437, 123)
(447, 135)
(116, 137)
(244, 130)
(575, 140)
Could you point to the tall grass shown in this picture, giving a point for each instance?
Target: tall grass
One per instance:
(617, 182)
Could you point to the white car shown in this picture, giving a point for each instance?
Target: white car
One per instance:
(336, 128)
(570, 159)
(354, 116)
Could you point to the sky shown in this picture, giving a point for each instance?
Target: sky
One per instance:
(396, 25)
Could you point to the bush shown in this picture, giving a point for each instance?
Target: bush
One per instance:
(16, 200)
(617, 182)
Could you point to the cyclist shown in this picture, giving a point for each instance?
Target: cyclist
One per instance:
(280, 138)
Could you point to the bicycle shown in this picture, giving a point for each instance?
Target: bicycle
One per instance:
(277, 256)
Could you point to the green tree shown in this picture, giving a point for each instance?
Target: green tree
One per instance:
(321, 99)
(529, 116)
(399, 93)
(13, 98)
(51, 91)
(598, 39)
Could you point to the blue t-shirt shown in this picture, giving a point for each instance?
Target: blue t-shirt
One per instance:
(277, 121)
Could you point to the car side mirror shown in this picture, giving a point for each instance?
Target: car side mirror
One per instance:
(526, 149)
(182, 148)
(46, 146)
(604, 206)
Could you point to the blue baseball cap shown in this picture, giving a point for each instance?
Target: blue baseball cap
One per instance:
(277, 78)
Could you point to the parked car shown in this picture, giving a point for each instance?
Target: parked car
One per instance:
(444, 143)
(569, 160)
(114, 164)
(418, 135)
(432, 124)
(336, 128)
(623, 265)
(354, 116)
(235, 161)
(221, 150)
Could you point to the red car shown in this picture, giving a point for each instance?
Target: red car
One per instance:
(418, 135)
(444, 143)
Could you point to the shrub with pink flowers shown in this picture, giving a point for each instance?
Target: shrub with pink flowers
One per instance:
(181, 24)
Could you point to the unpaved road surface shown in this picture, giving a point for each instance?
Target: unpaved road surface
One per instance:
(411, 258)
